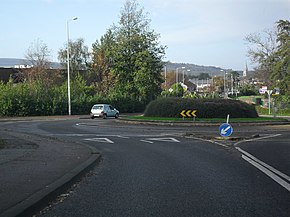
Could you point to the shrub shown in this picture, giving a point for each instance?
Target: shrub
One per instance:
(206, 108)
(36, 98)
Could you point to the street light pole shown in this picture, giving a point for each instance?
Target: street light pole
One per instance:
(188, 70)
(165, 72)
(68, 67)
(225, 84)
(176, 71)
(269, 100)
(176, 81)
(183, 76)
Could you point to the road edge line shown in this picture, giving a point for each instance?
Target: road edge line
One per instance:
(272, 169)
(269, 173)
(259, 138)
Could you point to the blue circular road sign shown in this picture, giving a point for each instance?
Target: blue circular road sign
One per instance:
(225, 129)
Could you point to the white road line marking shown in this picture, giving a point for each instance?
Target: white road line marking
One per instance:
(207, 140)
(268, 173)
(99, 135)
(168, 139)
(123, 137)
(264, 164)
(105, 140)
(142, 140)
(259, 138)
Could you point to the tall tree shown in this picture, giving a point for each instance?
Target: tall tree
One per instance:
(261, 49)
(102, 62)
(136, 55)
(273, 57)
(281, 68)
(38, 58)
(79, 55)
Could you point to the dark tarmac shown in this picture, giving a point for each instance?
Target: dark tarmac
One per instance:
(35, 169)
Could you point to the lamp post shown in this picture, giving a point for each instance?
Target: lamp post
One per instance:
(225, 84)
(68, 67)
(176, 71)
(188, 70)
(165, 72)
(176, 81)
(269, 99)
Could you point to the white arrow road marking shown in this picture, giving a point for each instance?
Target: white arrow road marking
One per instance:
(104, 140)
(224, 131)
(169, 139)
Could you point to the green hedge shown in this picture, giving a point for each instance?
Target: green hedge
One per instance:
(206, 108)
(37, 99)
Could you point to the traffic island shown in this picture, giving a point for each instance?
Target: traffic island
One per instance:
(228, 141)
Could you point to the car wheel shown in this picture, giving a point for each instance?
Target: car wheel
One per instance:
(104, 116)
(117, 115)
(92, 117)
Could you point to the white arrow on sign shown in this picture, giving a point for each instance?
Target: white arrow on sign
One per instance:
(224, 131)
(105, 140)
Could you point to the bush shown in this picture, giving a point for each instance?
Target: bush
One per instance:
(206, 108)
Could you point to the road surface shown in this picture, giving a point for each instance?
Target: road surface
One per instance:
(174, 171)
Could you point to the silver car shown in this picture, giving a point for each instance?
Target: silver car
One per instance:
(104, 111)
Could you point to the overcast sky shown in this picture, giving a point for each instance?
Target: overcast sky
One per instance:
(203, 32)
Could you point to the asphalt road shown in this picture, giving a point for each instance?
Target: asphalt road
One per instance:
(169, 171)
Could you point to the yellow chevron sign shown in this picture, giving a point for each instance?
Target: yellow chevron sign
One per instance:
(188, 113)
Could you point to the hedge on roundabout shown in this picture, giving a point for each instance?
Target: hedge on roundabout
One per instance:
(205, 108)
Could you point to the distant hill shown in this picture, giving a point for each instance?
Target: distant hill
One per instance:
(194, 69)
(12, 62)
(197, 69)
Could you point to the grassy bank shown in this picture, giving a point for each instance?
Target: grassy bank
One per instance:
(280, 112)
(215, 120)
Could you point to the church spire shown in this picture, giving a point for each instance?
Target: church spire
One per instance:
(245, 72)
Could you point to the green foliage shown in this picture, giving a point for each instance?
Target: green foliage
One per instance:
(102, 63)
(125, 103)
(125, 71)
(195, 95)
(24, 99)
(281, 66)
(272, 54)
(130, 55)
(280, 111)
(176, 90)
(204, 76)
(206, 108)
(79, 56)
(36, 98)
(248, 90)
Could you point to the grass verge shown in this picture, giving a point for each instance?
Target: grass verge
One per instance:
(215, 120)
